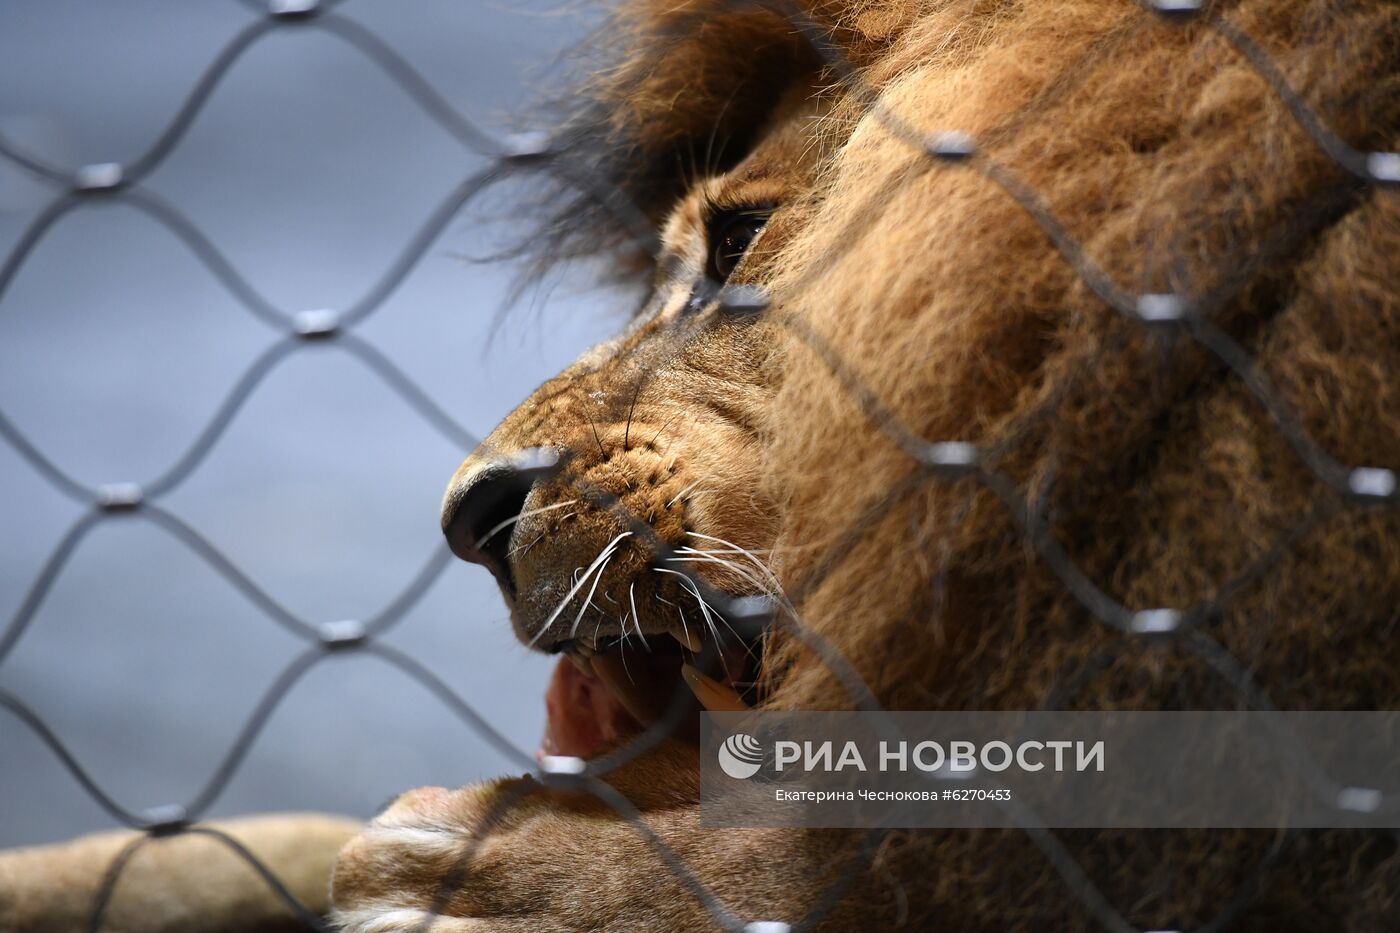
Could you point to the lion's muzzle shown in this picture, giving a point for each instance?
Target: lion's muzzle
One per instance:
(485, 499)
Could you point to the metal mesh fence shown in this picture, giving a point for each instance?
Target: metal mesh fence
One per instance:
(1359, 485)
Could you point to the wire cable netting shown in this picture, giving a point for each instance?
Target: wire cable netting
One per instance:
(1358, 485)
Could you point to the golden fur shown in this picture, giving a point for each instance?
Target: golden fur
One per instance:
(1157, 469)
(189, 882)
(1154, 467)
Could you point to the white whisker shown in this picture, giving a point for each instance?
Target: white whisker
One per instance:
(682, 493)
(684, 626)
(708, 611)
(689, 584)
(573, 591)
(588, 600)
(622, 654)
(683, 549)
(517, 551)
(526, 514)
(753, 558)
(739, 569)
(636, 619)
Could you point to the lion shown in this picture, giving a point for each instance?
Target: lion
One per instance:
(976, 330)
(886, 374)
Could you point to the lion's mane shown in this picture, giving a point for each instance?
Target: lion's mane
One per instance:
(1136, 455)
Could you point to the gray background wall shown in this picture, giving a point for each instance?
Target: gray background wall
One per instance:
(310, 170)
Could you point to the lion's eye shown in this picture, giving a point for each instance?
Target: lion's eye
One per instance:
(730, 236)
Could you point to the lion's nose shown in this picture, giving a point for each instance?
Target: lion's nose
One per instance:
(483, 504)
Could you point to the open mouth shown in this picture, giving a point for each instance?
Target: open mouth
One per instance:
(611, 687)
(605, 692)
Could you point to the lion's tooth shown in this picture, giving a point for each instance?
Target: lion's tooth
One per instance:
(584, 665)
(713, 695)
(689, 640)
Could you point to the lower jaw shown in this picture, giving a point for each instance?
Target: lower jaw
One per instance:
(585, 718)
(605, 700)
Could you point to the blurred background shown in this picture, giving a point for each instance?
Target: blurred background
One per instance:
(311, 171)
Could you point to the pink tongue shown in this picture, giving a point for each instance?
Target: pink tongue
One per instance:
(583, 716)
